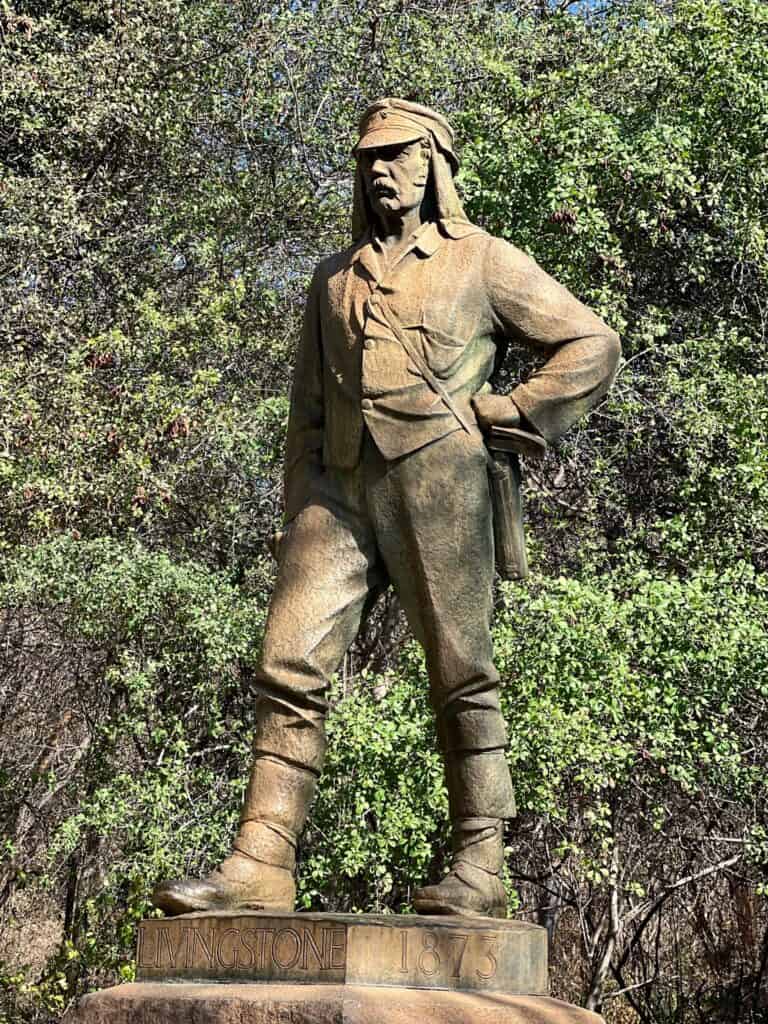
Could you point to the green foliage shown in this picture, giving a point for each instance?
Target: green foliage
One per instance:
(369, 843)
(635, 171)
(170, 173)
(158, 720)
(623, 690)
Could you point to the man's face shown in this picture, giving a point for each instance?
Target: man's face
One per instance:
(395, 176)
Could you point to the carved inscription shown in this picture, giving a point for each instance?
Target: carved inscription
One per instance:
(430, 953)
(441, 956)
(413, 952)
(236, 948)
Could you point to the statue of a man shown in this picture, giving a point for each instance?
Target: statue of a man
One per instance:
(386, 482)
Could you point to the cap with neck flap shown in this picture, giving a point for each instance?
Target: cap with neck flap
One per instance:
(389, 122)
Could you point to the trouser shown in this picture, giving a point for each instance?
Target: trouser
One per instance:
(422, 522)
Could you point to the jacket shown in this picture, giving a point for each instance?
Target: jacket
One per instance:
(458, 291)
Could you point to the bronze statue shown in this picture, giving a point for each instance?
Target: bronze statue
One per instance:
(386, 481)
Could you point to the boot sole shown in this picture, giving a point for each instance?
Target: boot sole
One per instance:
(438, 908)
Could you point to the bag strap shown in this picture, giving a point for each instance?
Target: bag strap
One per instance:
(392, 321)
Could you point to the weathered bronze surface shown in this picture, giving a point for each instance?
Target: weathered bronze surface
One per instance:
(412, 952)
(386, 482)
(162, 1003)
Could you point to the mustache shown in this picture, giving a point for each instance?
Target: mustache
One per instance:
(382, 186)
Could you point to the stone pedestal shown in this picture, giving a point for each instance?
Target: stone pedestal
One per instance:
(260, 968)
(166, 1003)
(466, 954)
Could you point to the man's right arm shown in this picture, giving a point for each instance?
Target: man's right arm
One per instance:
(304, 444)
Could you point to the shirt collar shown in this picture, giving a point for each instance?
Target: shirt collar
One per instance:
(366, 254)
(426, 239)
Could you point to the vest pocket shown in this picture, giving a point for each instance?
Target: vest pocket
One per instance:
(441, 351)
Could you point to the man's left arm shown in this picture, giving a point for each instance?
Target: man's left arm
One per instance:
(582, 351)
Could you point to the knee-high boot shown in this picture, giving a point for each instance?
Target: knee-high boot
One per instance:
(259, 873)
(480, 797)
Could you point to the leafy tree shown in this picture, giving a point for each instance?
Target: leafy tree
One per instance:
(170, 173)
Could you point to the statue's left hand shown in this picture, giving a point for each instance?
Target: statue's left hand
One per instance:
(495, 411)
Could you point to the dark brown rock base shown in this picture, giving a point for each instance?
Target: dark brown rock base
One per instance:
(167, 1003)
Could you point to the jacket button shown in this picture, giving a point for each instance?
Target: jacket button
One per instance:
(369, 343)
(366, 404)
